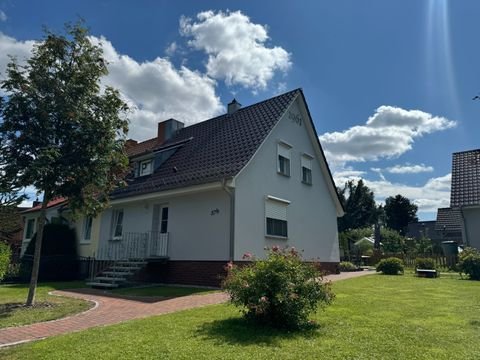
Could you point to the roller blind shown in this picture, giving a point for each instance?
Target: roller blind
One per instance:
(275, 210)
(284, 150)
(307, 162)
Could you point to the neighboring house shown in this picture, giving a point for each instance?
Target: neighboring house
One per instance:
(13, 233)
(449, 224)
(465, 194)
(429, 229)
(209, 193)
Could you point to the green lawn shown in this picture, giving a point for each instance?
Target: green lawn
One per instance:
(161, 291)
(56, 307)
(373, 317)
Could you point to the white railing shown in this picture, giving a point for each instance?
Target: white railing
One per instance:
(134, 245)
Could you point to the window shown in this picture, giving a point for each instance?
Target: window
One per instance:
(30, 229)
(117, 224)
(145, 167)
(276, 217)
(307, 169)
(164, 220)
(283, 151)
(87, 229)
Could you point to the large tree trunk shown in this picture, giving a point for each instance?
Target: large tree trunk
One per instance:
(37, 254)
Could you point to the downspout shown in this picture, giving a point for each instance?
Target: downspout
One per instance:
(464, 229)
(231, 195)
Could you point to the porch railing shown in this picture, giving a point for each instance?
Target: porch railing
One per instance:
(135, 245)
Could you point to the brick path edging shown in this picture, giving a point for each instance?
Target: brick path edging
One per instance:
(108, 310)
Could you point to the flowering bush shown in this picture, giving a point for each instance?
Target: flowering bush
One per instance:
(281, 290)
(469, 263)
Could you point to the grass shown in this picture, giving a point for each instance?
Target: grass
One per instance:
(48, 307)
(161, 291)
(373, 317)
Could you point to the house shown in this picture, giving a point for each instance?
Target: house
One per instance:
(208, 193)
(449, 225)
(11, 230)
(465, 194)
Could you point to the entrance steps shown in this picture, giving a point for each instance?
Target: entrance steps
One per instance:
(118, 274)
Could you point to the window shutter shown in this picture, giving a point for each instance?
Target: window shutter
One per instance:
(284, 150)
(307, 162)
(275, 210)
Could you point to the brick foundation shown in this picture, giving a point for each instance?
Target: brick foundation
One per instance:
(200, 273)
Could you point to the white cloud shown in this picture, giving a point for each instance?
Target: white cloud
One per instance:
(409, 169)
(388, 133)
(10, 46)
(434, 194)
(236, 48)
(159, 91)
(3, 16)
(171, 49)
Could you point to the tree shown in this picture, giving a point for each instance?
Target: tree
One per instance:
(359, 204)
(59, 130)
(392, 241)
(399, 211)
(10, 198)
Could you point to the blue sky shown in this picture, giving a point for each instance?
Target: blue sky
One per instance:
(389, 83)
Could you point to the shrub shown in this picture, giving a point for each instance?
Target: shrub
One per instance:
(390, 266)
(425, 263)
(469, 263)
(347, 266)
(58, 260)
(281, 291)
(5, 254)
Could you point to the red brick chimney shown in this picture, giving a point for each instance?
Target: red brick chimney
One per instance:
(167, 129)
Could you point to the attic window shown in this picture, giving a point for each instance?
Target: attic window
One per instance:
(145, 167)
(283, 161)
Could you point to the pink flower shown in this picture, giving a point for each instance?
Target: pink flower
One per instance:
(275, 248)
(229, 266)
(263, 299)
(247, 256)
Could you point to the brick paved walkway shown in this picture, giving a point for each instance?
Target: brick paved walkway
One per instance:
(110, 309)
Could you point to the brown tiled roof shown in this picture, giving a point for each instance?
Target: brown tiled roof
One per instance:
(217, 148)
(51, 203)
(465, 178)
(143, 147)
(449, 219)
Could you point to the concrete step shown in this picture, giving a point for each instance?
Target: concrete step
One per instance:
(131, 263)
(117, 273)
(110, 279)
(102, 285)
(125, 268)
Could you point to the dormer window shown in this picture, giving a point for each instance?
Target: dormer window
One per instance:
(145, 167)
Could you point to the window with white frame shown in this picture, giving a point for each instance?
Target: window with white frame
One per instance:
(145, 167)
(29, 229)
(87, 229)
(276, 217)
(117, 224)
(306, 169)
(283, 151)
(164, 220)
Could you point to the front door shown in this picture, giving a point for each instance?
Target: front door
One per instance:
(159, 235)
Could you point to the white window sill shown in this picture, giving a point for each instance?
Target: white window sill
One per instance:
(116, 239)
(283, 174)
(277, 237)
(307, 183)
(85, 242)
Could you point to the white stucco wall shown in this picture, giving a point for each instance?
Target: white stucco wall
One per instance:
(311, 215)
(194, 232)
(472, 226)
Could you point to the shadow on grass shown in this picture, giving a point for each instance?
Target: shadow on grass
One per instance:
(239, 331)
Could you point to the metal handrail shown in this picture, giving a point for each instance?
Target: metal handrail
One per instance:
(135, 245)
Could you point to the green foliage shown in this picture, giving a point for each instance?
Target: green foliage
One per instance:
(59, 254)
(351, 236)
(60, 132)
(390, 266)
(392, 241)
(281, 290)
(364, 246)
(346, 266)
(469, 263)
(399, 211)
(425, 263)
(5, 255)
(359, 203)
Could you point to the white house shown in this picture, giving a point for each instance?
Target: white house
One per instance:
(208, 193)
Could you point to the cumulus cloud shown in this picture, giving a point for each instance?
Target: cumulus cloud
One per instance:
(409, 169)
(18, 49)
(434, 194)
(236, 48)
(159, 91)
(3, 16)
(388, 133)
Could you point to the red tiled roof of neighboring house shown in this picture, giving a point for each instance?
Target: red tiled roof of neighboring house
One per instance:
(465, 178)
(52, 203)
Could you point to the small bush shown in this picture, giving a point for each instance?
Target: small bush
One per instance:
(390, 266)
(345, 266)
(469, 263)
(425, 263)
(281, 290)
(5, 254)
